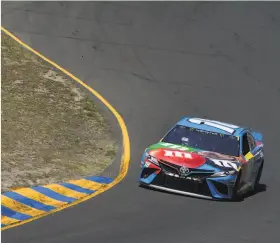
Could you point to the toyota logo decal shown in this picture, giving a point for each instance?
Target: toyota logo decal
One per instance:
(184, 170)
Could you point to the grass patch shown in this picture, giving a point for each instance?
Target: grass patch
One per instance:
(51, 131)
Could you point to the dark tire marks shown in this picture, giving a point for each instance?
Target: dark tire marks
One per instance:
(156, 62)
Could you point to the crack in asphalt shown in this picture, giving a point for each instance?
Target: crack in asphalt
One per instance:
(11, 10)
(71, 17)
(230, 59)
(152, 78)
(217, 53)
(210, 55)
(243, 69)
(145, 78)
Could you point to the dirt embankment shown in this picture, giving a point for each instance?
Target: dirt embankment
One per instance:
(51, 131)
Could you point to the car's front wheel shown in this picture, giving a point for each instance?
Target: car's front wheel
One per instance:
(235, 195)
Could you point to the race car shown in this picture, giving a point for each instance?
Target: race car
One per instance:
(204, 158)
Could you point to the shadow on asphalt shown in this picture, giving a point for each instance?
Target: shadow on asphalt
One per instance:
(260, 188)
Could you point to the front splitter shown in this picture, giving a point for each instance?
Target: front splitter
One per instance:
(178, 191)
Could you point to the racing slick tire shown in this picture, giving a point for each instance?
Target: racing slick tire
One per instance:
(259, 175)
(236, 196)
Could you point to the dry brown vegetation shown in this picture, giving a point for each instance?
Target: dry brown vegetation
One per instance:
(51, 131)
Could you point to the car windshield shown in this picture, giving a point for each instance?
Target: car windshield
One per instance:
(201, 139)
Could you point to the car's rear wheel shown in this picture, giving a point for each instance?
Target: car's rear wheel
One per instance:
(259, 175)
(236, 196)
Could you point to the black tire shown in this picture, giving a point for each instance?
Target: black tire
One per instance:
(259, 175)
(235, 195)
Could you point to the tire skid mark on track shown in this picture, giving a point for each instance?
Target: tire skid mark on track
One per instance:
(27, 204)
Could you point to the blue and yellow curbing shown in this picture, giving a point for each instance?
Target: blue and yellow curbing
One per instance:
(36, 202)
(26, 203)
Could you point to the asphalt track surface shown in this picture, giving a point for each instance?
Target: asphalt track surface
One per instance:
(155, 62)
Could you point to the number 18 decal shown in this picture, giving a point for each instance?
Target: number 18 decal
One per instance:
(220, 125)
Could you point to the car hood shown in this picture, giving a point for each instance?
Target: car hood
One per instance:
(191, 157)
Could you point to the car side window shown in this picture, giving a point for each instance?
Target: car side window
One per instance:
(252, 142)
(245, 144)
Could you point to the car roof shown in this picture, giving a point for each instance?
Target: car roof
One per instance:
(212, 125)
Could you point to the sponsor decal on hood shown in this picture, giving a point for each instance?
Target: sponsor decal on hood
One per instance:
(191, 157)
(178, 157)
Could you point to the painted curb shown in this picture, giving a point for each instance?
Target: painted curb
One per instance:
(27, 204)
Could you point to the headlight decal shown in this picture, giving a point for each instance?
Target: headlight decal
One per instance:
(224, 173)
(152, 159)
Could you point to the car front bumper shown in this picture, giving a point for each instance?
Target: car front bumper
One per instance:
(209, 188)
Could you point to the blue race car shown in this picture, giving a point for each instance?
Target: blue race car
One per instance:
(204, 158)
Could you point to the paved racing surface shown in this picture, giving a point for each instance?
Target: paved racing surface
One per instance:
(156, 62)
